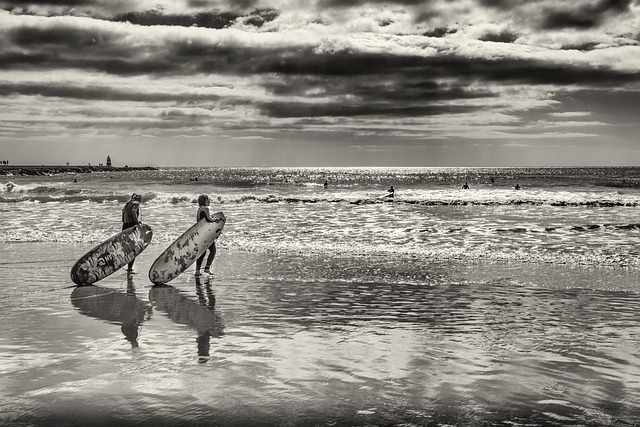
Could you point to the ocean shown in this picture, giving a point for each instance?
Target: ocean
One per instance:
(329, 305)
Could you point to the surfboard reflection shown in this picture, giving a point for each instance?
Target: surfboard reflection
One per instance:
(199, 314)
(124, 309)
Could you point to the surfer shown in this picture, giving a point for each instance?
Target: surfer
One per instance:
(203, 212)
(391, 192)
(465, 186)
(131, 217)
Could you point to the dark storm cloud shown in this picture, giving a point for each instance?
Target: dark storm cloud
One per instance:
(583, 47)
(98, 93)
(102, 50)
(374, 88)
(500, 37)
(584, 17)
(215, 19)
(498, 4)
(439, 32)
(8, 5)
(93, 8)
(563, 14)
(297, 110)
(203, 14)
(539, 72)
(68, 47)
(206, 19)
(354, 3)
(67, 38)
(209, 4)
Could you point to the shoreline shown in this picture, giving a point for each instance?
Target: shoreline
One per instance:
(31, 170)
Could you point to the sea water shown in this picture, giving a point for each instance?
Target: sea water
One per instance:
(330, 305)
(580, 216)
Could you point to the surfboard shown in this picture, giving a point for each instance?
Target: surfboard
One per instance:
(111, 255)
(186, 249)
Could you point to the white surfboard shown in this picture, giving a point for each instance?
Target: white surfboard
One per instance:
(186, 249)
(111, 255)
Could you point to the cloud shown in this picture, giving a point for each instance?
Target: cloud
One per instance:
(584, 16)
(570, 114)
(401, 69)
(504, 36)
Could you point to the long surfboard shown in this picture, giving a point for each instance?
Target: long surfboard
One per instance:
(186, 249)
(111, 255)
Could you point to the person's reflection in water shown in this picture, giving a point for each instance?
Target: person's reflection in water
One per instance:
(130, 321)
(113, 306)
(208, 300)
(200, 315)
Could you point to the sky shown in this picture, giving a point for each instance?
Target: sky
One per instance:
(320, 82)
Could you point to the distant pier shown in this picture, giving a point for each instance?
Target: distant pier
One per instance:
(26, 170)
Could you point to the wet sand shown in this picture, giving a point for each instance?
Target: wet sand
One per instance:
(257, 345)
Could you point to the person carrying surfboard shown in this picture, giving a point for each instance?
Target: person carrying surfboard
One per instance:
(203, 212)
(131, 217)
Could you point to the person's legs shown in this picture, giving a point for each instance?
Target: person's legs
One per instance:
(212, 255)
(130, 267)
(199, 263)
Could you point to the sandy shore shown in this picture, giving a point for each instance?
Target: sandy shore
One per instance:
(30, 170)
(255, 344)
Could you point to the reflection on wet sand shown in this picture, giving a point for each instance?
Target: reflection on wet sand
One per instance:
(113, 306)
(200, 315)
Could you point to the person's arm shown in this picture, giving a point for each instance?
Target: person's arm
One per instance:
(136, 212)
(207, 215)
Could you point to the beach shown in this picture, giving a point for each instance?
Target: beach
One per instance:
(326, 307)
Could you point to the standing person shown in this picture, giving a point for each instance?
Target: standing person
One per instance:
(131, 217)
(203, 212)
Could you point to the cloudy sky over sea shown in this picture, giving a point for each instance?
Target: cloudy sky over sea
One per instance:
(320, 82)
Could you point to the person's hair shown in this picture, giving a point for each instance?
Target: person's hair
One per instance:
(137, 197)
(202, 200)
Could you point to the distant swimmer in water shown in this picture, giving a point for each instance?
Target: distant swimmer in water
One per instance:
(391, 192)
(326, 183)
(493, 180)
(193, 179)
(517, 187)
(465, 186)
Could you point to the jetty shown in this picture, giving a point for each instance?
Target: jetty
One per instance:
(26, 170)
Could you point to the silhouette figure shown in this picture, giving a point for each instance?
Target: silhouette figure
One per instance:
(113, 306)
(199, 314)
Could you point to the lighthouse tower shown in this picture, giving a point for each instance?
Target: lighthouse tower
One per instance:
(108, 161)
